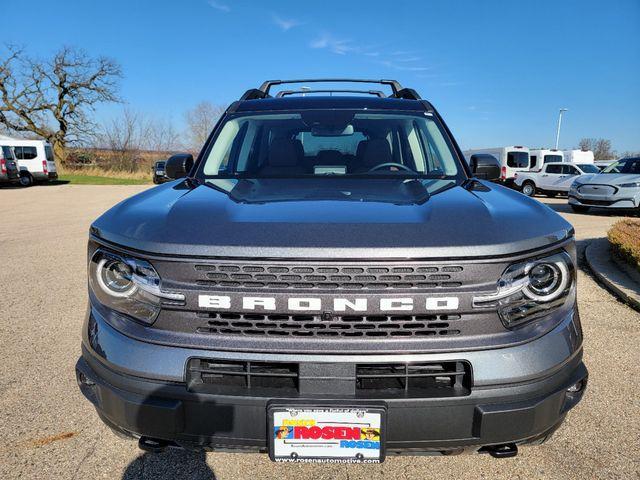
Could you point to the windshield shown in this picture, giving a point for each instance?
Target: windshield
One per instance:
(518, 159)
(626, 165)
(331, 143)
(588, 168)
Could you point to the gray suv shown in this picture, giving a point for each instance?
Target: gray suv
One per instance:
(330, 282)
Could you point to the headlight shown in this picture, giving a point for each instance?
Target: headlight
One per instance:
(128, 285)
(530, 289)
(630, 185)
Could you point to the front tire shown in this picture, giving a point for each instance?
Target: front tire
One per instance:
(529, 188)
(580, 208)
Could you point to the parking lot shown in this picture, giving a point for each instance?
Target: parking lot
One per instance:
(49, 430)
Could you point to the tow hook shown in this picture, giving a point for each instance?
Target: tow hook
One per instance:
(507, 450)
(152, 445)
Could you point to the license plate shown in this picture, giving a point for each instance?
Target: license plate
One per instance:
(159, 172)
(326, 434)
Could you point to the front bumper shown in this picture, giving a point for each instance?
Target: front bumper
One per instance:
(617, 201)
(519, 395)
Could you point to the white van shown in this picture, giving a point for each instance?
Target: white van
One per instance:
(578, 156)
(511, 159)
(34, 158)
(539, 156)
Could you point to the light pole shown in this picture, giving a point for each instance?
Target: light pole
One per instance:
(562, 110)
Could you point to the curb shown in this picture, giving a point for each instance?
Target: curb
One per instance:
(617, 281)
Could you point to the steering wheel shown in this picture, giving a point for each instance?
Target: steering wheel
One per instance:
(391, 164)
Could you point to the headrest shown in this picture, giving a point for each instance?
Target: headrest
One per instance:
(283, 153)
(377, 151)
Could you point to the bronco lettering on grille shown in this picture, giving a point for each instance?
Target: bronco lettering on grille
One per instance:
(315, 304)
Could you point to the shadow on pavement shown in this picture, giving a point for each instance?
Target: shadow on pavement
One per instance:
(593, 212)
(17, 186)
(170, 464)
(53, 182)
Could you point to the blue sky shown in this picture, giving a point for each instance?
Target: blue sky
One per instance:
(498, 71)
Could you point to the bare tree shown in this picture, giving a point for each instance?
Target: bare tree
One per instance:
(52, 98)
(200, 121)
(125, 137)
(601, 148)
(587, 144)
(162, 136)
(630, 153)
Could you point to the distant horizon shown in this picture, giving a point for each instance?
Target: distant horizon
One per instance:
(497, 71)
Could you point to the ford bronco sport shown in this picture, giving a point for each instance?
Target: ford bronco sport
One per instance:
(330, 282)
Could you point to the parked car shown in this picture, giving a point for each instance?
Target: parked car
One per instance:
(8, 166)
(539, 156)
(512, 159)
(330, 282)
(602, 164)
(616, 187)
(554, 178)
(158, 172)
(35, 160)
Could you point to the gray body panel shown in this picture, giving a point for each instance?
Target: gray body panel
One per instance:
(173, 219)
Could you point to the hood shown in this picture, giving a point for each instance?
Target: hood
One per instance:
(176, 219)
(609, 178)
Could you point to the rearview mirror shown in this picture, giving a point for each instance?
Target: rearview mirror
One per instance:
(485, 166)
(179, 165)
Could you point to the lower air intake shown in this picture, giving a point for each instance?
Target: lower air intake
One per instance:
(433, 379)
(238, 377)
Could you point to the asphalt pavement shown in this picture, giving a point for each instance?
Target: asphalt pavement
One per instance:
(49, 431)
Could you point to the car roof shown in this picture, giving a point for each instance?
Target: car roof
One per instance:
(313, 102)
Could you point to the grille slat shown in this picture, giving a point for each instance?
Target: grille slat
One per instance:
(231, 323)
(328, 277)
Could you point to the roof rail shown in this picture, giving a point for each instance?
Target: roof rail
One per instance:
(284, 93)
(398, 91)
(394, 84)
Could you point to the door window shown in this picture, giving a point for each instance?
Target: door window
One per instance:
(554, 169)
(25, 153)
(569, 170)
(7, 153)
(517, 159)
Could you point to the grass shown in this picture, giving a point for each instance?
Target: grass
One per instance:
(98, 176)
(82, 179)
(624, 238)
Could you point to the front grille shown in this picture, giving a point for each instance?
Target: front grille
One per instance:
(298, 325)
(604, 203)
(439, 378)
(223, 376)
(329, 277)
(597, 190)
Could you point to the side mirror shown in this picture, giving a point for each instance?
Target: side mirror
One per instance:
(485, 166)
(179, 165)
